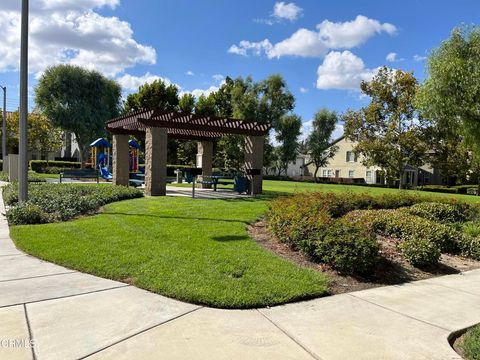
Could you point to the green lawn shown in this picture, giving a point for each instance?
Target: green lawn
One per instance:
(189, 249)
(471, 344)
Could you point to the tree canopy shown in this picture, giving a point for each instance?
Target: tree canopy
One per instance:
(155, 95)
(318, 142)
(389, 132)
(42, 135)
(287, 133)
(78, 100)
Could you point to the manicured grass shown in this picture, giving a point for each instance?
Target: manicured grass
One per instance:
(194, 250)
(471, 343)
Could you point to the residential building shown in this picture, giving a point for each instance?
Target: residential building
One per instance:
(345, 164)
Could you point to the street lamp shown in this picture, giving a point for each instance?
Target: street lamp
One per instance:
(22, 144)
(4, 127)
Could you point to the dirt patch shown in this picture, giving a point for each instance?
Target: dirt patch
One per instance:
(458, 345)
(392, 268)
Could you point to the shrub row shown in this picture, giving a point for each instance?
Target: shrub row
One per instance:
(444, 213)
(400, 224)
(40, 165)
(60, 202)
(340, 229)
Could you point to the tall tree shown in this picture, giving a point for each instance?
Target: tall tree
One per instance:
(318, 142)
(451, 91)
(389, 132)
(287, 133)
(186, 103)
(155, 95)
(450, 96)
(79, 101)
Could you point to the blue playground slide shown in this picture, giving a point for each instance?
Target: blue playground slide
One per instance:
(105, 173)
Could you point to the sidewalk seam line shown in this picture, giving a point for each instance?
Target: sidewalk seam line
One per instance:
(139, 333)
(311, 353)
(30, 334)
(66, 296)
(39, 276)
(451, 288)
(400, 313)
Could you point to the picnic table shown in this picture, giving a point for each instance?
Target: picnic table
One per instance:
(214, 180)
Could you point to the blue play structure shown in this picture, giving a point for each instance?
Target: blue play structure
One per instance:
(101, 158)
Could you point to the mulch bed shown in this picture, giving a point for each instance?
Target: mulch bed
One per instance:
(392, 269)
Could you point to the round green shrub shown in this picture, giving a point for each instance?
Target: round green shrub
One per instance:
(445, 213)
(402, 225)
(470, 246)
(348, 248)
(420, 252)
(27, 214)
(471, 343)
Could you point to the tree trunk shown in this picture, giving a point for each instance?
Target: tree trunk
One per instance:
(315, 173)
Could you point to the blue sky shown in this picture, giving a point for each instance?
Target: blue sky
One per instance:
(196, 43)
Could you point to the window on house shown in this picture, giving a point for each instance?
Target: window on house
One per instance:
(325, 173)
(369, 176)
(330, 173)
(351, 157)
(351, 173)
(337, 173)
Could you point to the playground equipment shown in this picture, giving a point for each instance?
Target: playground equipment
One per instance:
(100, 153)
(101, 157)
(134, 155)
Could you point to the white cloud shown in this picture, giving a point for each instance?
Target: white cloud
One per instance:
(190, 73)
(419, 57)
(303, 90)
(391, 57)
(316, 43)
(290, 11)
(218, 77)
(256, 47)
(343, 70)
(132, 83)
(70, 31)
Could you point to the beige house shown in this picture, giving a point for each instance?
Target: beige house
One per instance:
(345, 164)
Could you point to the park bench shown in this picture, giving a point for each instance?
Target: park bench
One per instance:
(79, 174)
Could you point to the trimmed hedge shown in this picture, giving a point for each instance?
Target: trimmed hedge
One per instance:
(420, 252)
(444, 213)
(348, 248)
(60, 202)
(340, 229)
(40, 165)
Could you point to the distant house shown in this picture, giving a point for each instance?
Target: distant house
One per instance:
(345, 164)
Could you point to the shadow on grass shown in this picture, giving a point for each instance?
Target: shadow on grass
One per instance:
(176, 217)
(229, 238)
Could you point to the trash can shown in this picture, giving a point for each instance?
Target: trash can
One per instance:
(240, 184)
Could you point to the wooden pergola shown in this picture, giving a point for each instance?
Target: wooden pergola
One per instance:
(158, 126)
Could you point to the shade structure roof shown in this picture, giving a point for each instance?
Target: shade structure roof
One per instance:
(181, 125)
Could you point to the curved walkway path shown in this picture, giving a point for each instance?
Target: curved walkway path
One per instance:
(70, 315)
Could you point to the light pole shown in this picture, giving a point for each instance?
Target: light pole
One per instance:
(4, 127)
(22, 146)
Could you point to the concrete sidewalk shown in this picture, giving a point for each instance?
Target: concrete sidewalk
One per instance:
(70, 315)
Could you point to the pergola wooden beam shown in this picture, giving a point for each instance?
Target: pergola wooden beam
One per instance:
(210, 127)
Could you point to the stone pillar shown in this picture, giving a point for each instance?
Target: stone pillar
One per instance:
(13, 167)
(205, 160)
(156, 161)
(121, 171)
(254, 160)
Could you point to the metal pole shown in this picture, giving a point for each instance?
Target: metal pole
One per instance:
(23, 160)
(4, 127)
